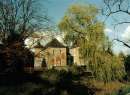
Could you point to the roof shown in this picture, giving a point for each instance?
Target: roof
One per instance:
(55, 43)
(39, 46)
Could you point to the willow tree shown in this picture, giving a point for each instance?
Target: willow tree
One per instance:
(82, 29)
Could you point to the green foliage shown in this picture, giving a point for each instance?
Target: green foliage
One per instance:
(81, 28)
(80, 23)
(122, 91)
(127, 63)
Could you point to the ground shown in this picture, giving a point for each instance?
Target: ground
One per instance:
(53, 82)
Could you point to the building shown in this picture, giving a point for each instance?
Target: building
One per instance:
(77, 59)
(38, 56)
(53, 54)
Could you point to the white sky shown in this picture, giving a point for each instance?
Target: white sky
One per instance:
(123, 35)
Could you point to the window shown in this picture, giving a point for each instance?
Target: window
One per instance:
(60, 51)
(53, 52)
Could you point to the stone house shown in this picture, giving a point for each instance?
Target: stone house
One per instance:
(53, 54)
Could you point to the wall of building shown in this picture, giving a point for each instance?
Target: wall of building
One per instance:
(38, 59)
(55, 57)
(76, 56)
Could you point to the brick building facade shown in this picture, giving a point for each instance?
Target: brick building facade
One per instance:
(55, 54)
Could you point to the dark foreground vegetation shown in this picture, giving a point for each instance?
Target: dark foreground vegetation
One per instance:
(50, 82)
(55, 82)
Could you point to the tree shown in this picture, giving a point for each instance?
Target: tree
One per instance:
(127, 63)
(14, 59)
(82, 29)
(118, 8)
(77, 22)
(19, 18)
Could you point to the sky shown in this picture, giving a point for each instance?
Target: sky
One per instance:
(57, 8)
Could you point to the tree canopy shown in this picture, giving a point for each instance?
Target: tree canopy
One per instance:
(77, 23)
(19, 18)
(82, 29)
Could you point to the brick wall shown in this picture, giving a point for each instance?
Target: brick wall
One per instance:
(55, 57)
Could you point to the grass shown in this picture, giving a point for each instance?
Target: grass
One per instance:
(124, 90)
(111, 88)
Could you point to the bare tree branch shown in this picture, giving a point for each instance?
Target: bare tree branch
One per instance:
(120, 23)
(124, 43)
(113, 7)
(21, 17)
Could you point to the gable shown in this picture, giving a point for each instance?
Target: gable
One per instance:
(55, 44)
